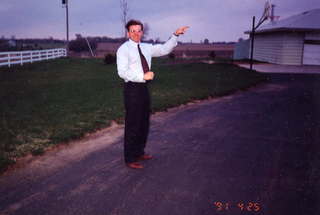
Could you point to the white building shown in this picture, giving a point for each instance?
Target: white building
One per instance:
(291, 41)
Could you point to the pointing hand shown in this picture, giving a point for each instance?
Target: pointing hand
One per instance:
(181, 30)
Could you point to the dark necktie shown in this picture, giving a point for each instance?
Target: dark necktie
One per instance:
(144, 62)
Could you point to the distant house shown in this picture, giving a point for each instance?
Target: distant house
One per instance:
(12, 43)
(242, 50)
(291, 41)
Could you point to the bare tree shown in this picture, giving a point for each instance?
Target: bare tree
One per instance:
(124, 14)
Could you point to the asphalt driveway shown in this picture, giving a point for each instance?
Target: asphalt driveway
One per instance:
(254, 152)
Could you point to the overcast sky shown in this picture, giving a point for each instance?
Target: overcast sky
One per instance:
(216, 20)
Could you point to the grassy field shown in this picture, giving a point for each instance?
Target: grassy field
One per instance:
(51, 102)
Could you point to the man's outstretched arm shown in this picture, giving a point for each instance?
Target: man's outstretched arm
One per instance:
(164, 49)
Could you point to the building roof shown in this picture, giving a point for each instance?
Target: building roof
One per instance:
(306, 21)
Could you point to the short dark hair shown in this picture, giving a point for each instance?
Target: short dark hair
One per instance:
(133, 22)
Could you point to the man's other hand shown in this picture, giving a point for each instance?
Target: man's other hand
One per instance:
(148, 76)
(181, 30)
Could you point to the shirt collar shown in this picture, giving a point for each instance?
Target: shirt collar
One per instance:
(133, 43)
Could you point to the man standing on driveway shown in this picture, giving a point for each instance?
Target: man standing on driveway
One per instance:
(134, 63)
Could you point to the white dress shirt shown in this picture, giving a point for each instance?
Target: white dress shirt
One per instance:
(129, 62)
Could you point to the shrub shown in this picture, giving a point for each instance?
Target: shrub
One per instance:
(109, 59)
(172, 56)
(212, 55)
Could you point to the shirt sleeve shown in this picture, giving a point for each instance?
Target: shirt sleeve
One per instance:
(164, 49)
(124, 70)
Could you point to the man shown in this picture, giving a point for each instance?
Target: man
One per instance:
(134, 63)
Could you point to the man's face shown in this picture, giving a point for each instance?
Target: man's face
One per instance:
(135, 33)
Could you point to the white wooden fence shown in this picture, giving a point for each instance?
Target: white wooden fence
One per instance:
(20, 57)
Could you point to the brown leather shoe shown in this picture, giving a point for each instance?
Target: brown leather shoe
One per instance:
(135, 165)
(144, 157)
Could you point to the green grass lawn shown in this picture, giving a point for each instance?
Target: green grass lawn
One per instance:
(46, 103)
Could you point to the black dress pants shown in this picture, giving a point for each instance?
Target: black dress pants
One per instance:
(137, 106)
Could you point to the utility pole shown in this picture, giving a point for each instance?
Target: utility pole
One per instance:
(65, 3)
(252, 41)
(124, 10)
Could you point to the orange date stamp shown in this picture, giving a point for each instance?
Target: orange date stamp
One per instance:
(242, 206)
